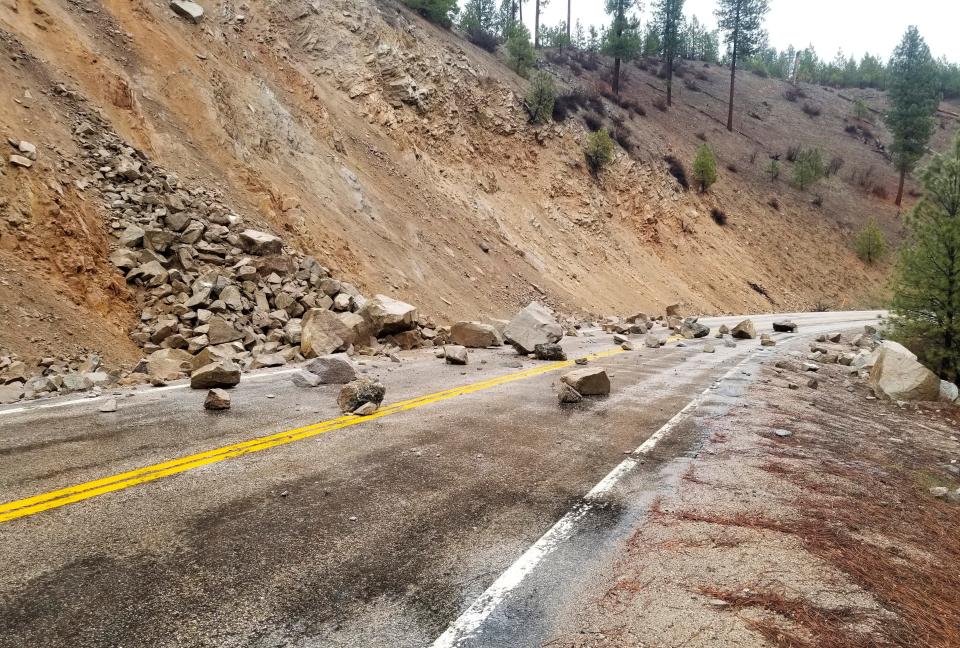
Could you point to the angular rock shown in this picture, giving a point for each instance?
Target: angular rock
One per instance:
(260, 243)
(108, 406)
(475, 335)
(132, 237)
(221, 331)
(744, 330)
(533, 325)
(187, 10)
(216, 374)
(332, 369)
(653, 341)
(357, 392)
(784, 327)
(455, 354)
(11, 393)
(767, 341)
(323, 332)
(550, 351)
(168, 364)
(305, 379)
(899, 376)
(217, 399)
(385, 315)
(268, 360)
(588, 382)
(691, 329)
(366, 409)
(20, 161)
(567, 394)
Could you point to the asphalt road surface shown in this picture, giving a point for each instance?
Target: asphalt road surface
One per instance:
(471, 511)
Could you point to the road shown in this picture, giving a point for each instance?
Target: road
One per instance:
(470, 512)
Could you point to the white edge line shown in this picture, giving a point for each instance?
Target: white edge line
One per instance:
(466, 625)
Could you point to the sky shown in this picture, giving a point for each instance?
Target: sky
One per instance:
(856, 26)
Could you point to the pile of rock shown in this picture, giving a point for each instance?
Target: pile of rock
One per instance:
(18, 380)
(24, 155)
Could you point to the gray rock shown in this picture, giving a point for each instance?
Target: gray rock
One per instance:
(385, 315)
(455, 354)
(949, 393)
(217, 399)
(109, 405)
(216, 374)
(168, 364)
(652, 341)
(745, 330)
(357, 392)
(475, 335)
(75, 382)
(767, 341)
(550, 351)
(132, 237)
(260, 243)
(783, 433)
(187, 10)
(332, 369)
(305, 379)
(898, 376)
(533, 325)
(221, 331)
(263, 360)
(784, 327)
(11, 393)
(366, 409)
(567, 394)
(323, 332)
(709, 348)
(588, 382)
(691, 329)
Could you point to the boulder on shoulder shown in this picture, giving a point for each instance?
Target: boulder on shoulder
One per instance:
(899, 376)
(533, 325)
(332, 369)
(475, 335)
(455, 354)
(588, 382)
(549, 351)
(386, 315)
(322, 332)
(745, 330)
(216, 374)
(169, 364)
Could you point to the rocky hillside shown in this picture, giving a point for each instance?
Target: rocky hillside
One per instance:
(361, 146)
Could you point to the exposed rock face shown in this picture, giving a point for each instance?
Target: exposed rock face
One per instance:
(897, 375)
(455, 354)
(11, 393)
(358, 392)
(217, 399)
(588, 382)
(744, 330)
(533, 325)
(386, 315)
(475, 335)
(333, 369)
(322, 332)
(550, 351)
(216, 374)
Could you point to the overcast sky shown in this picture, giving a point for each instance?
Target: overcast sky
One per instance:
(857, 26)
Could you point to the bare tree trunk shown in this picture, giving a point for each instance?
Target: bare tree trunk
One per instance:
(670, 78)
(520, 5)
(903, 177)
(569, 39)
(536, 25)
(733, 80)
(616, 76)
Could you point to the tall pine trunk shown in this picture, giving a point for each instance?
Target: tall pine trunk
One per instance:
(670, 78)
(616, 76)
(569, 39)
(536, 25)
(733, 80)
(903, 177)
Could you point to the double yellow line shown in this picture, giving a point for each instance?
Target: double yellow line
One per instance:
(55, 499)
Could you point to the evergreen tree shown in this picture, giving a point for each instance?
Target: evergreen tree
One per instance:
(651, 40)
(579, 36)
(742, 20)
(871, 244)
(541, 97)
(479, 18)
(913, 100)
(593, 40)
(441, 12)
(623, 38)
(926, 301)
(598, 151)
(538, 5)
(520, 52)
(668, 15)
(808, 168)
(705, 168)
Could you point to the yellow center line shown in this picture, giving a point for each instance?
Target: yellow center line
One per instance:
(57, 498)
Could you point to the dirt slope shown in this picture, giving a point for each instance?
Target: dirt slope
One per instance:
(397, 154)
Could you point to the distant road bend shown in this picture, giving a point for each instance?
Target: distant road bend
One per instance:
(457, 515)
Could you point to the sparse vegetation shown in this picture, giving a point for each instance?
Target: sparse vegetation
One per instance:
(567, 104)
(793, 93)
(705, 168)
(774, 203)
(660, 104)
(808, 168)
(773, 170)
(599, 151)
(718, 216)
(870, 244)
(676, 169)
(860, 110)
(812, 110)
(793, 152)
(593, 121)
(520, 52)
(622, 137)
(441, 12)
(836, 163)
(541, 98)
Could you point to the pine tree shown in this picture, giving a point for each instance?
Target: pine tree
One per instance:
(479, 17)
(926, 301)
(623, 38)
(871, 244)
(579, 37)
(668, 15)
(742, 20)
(913, 98)
(538, 4)
(520, 52)
(808, 168)
(441, 12)
(705, 168)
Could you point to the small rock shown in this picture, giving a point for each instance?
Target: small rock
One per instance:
(305, 379)
(568, 394)
(357, 392)
(939, 491)
(366, 409)
(109, 405)
(709, 348)
(813, 383)
(588, 382)
(783, 433)
(20, 161)
(745, 330)
(784, 327)
(455, 354)
(549, 351)
(217, 399)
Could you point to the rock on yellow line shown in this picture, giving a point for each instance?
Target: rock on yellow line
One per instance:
(54, 499)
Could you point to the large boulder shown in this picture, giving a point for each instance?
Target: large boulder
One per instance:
(169, 364)
(691, 329)
(897, 375)
(358, 393)
(386, 315)
(260, 243)
(588, 382)
(745, 330)
(322, 332)
(455, 354)
(785, 327)
(11, 393)
(221, 331)
(332, 369)
(187, 10)
(216, 374)
(532, 326)
(475, 335)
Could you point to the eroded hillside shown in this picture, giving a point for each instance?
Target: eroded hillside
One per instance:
(400, 157)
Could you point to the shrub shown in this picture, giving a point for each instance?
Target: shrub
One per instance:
(761, 72)
(773, 170)
(812, 110)
(599, 151)
(808, 168)
(520, 52)
(718, 216)
(701, 136)
(441, 12)
(732, 168)
(793, 152)
(660, 104)
(793, 93)
(870, 244)
(483, 39)
(622, 138)
(701, 75)
(774, 203)
(836, 163)
(705, 168)
(541, 97)
(851, 129)
(675, 167)
(576, 69)
(593, 121)
(860, 110)
(590, 63)
(691, 85)
(567, 104)
(880, 192)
